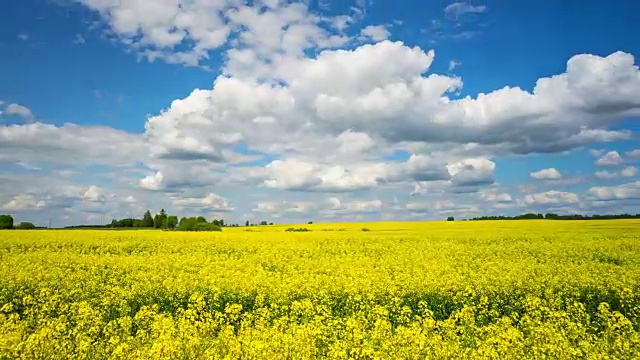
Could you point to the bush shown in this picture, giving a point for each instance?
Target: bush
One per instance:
(6, 222)
(196, 224)
(297, 230)
(366, 229)
(450, 218)
(25, 226)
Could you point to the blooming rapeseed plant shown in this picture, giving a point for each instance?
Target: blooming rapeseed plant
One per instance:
(510, 290)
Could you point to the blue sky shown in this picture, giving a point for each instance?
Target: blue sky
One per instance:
(325, 110)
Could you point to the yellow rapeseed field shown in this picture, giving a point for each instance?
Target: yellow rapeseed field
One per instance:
(434, 290)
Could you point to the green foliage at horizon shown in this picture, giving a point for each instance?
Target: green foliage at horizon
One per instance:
(6, 222)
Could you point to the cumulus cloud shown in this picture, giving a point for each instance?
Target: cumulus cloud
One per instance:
(329, 208)
(300, 175)
(94, 194)
(547, 174)
(606, 175)
(634, 154)
(620, 192)
(495, 197)
(272, 208)
(21, 111)
(336, 121)
(380, 93)
(185, 32)
(211, 202)
(47, 196)
(24, 203)
(612, 158)
(552, 197)
(629, 171)
(71, 144)
(442, 208)
(472, 172)
(375, 33)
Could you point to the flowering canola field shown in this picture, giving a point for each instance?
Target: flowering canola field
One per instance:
(438, 290)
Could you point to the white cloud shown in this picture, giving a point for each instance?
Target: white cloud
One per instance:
(620, 192)
(364, 206)
(378, 92)
(472, 172)
(130, 199)
(547, 174)
(629, 171)
(70, 144)
(211, 202)
(157, 29)
(19, 110)
(295, 174)
(551, 197)
(94, 194)
(329, 208)
(271, 208)
(606, 175)
(634, 154)
(375, 32)
(458, 9)
(496, 197)
(442, 208)
(454, 64)
(24, 203)
(612, 158)
(332, 122)
(152, 182)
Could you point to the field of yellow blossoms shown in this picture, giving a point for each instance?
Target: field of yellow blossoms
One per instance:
(434, 290)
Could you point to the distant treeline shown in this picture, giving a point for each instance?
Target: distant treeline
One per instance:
(162, 220)
(552, 216)
(88, 226)
(6, 223)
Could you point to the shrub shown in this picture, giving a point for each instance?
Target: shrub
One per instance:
(196, 224)
(25, 226)
(366, 229)
(450, 218)
(297, 230)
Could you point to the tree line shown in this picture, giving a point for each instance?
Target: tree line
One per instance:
(552, 216)
(6, 223)
(161, 220)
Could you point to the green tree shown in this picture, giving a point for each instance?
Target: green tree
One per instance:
(172, 222)
(25, 226)
(6, 222)
(451, 218)
(147, 220)
(195, 224)
(160, 220)
(247, 223)
(201, 219)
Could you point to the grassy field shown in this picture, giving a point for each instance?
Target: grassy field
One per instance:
(441, 290)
